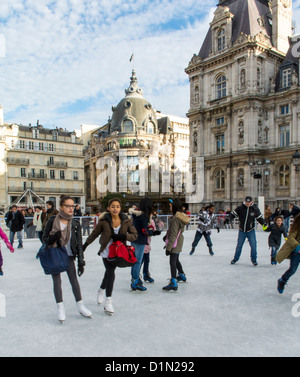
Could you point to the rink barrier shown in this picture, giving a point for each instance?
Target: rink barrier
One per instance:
(86, 230)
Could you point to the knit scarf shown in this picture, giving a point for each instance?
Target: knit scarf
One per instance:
(66, 233)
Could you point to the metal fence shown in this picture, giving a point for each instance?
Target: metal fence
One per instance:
(89, 222)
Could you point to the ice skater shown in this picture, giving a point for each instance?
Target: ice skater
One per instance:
(64, 230)
(112, 226)
(8, 244)
(247, 213)
(207, 220)
(174, 243)
(276, 231)
(290, 249)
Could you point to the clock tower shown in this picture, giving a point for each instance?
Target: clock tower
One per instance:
(281, 24)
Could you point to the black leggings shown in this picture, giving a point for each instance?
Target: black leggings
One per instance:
(175, 265)
(109, 277)
(73, 280)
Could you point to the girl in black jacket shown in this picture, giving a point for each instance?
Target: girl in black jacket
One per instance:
(63, 230)
(277, 230)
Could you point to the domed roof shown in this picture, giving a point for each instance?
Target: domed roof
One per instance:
(134, 113)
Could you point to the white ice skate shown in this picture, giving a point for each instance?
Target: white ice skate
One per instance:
(83, 310)
(61, 315)
(100, 296)
(108, 308)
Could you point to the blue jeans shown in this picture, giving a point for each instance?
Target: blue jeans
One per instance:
(273, 251)
(295, 261)
(198, 237)
(139, 254)
(240, 242)
(12, 235)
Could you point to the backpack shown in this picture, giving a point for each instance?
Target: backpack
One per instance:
(121, 255)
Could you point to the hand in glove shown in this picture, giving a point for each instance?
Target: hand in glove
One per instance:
(10, 247)
(81, 268)
(55, 237)
(118, 237)
(265, 227)
(84, 246)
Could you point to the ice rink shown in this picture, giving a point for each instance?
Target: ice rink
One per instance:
(222, 310)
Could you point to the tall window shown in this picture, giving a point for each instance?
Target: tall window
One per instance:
(127, 126)
(150, 128)
(221, 40)
(284, 135)
(286, 78)
(284, 176)
(221, 86)
(219, 180)
(220, 143)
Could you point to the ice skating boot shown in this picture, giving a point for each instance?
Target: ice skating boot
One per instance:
(192, 251)
(100, 296)
(172, 286)
(281, 285)
(108, 307)
(181, 277)
(20, 246)
(1, 272)
(273, 261)
(137, 285)
(211, 251)
(61, 315)
(148, 278)
(83, 310)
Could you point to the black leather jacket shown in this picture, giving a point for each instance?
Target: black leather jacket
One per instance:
(76, 238)
(247, 216)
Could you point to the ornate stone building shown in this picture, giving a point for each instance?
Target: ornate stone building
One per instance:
(139, 152)
(49, 162)
(244, 104)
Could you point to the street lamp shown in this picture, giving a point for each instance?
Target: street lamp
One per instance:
(296, 159)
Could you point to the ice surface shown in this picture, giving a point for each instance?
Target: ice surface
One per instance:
(222, 310)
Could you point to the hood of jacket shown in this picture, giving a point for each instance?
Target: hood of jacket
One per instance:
(182, 217)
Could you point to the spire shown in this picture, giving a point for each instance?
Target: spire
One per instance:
(134, 89)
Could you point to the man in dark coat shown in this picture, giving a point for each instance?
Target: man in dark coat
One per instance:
(247, 213)
(15, 222)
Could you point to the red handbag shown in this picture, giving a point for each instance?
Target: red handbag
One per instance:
(121, 255)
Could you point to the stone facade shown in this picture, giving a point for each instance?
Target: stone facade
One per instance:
(244, 110)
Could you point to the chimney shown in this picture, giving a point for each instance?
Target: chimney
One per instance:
(281, 24)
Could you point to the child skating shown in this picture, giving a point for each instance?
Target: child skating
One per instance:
(276, 231)
(8, 244)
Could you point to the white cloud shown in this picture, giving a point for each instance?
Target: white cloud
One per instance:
(61, 51)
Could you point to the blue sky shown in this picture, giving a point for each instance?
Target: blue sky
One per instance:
(67, 61)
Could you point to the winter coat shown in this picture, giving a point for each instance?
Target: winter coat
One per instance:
(50, 212)
(140, 222)
(76, 238)
(148, 247)
(15, 221)
(37, 221)
(247, 216)
(289, 246)
(206, 222)
(275, 235)
(177, 224)
(5, 239)
(105, 229)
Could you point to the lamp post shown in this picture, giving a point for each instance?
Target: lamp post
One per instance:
(296, 160)
(259, 170)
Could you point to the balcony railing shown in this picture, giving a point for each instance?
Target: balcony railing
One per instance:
(17, 161)
(37, 176)
(57, 164)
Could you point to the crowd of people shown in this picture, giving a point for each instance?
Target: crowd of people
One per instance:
(62, 227)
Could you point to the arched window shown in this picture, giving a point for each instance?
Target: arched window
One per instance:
(127, 126)
(221, 40)
(219, 180)
(150, 128)
(284, 176)
(221, 86)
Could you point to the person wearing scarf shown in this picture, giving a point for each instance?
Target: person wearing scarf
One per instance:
(64, 231)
